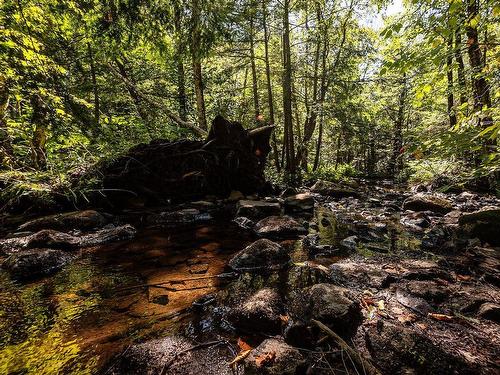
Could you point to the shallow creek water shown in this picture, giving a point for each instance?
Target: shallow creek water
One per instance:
(76, 320)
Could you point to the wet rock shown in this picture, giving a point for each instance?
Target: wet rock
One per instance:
(428, 290)
(331, 305)
(394, 348)
(259, 313)
(161, 299)
(299, 202)
(350, 243)
(49, 238)
(150, 357)
(483, 224)
(36, 263)
(180, 217)
(273, 357)
(258, 209)
(490, 311)
(427, 202)
(279, 227)
(263, 254)
(333, 189)
(244, 222)
(82, 220)
(312, 244)
(299, 335)
(414, 303)
(235, 195)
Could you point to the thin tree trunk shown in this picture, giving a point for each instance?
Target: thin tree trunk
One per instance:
(255, 90)
(449, 74)
(6, 150)
(319, 143)
(40, 121)
(460, 67)
(480, 86)
(179, 57)
(97, 110)
(396, 161)
(269, 86)
(197, 71)
(287, 93)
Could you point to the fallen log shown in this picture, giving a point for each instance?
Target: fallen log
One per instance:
(231, 158)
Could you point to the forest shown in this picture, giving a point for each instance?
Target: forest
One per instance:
(249, 187)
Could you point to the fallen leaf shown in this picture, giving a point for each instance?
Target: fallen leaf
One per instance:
(243, 345)
(284, 318)
(264, 359)
(463, 277)
(422, 326)
(441, 317)
(407, 318)
(381, 305)
(241, 356)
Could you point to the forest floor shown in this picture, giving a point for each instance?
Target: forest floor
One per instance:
(408, 281)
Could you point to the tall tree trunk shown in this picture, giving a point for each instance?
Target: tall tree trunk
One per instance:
(95, 89)
(40, 120)
(480, 86)
(449, 74)
(197, 72)
(317, 155)
(287, 93)
(179, 57)
(134, 94)
(460, 66)
(269, 86)
(6, 150)
(255, 90)
(395, 164)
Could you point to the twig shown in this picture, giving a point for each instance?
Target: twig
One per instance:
(195, 347)
(354, 354)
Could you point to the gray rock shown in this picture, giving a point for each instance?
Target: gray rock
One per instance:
(82, 220)
(490, 311)
(279, 227)
(257, 209)
(334, 190)
(427, 202)
(36, 263)
(262, 254)
(273, 357)
(350, 243)
(483, 224)
(244, 222)
(299, 202)
(180, 217)
(150, 357)
(259, 313)
(329, 304)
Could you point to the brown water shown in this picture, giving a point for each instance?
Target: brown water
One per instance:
(74, 321)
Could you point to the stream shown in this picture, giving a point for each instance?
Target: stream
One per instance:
(164, 282)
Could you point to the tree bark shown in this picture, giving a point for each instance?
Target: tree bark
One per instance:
(6, 150)
(95, 89)
(197, 71)
(460, 66)
(40, 120)
(179, 55)
(269, 86)
(255, 90)
(287, 93)
(449, 74)
(395, 164)
(480, 86)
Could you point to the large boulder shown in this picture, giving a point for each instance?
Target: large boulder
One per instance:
(259, 313)
(261, 255)
(48, 238)
(279, 227)
(82, 220)
(483, 224)
(427, 202)
(36, 263)
(332, 189)
(273, 357)
(257, 209)
(180, 355)
(331, 305)
(299, 202)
